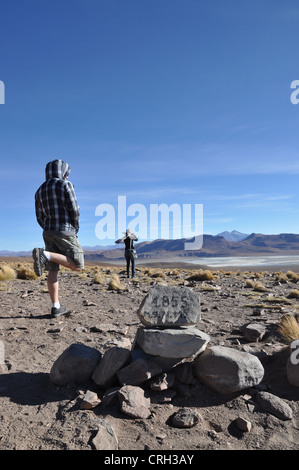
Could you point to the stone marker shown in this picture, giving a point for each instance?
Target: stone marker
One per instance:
(180, 342)
(170, 306)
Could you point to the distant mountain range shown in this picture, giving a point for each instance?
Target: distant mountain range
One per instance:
(233, 236)
(222, 245)
(253, 245)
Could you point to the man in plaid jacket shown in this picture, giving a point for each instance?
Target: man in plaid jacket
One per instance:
(57, 212)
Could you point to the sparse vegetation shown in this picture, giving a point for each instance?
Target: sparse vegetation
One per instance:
(99, 278)
(281, 277)
(7, 273)
(201, 275)
(288, 328)
(25, 272)
(114, 283)
(277, 300)
(159, 274)
(256, 285)
(294, 277)
(294, 294)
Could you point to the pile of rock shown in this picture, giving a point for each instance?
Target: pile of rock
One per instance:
(168, 337)
(168, 353)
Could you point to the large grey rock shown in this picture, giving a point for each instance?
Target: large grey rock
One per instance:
(75, 365)
(274, 405)
(170, 305)
(113, 359)
(227, 370)
(180, 342)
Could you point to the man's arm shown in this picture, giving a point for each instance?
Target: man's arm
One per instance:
(72, 204)
(39, 213)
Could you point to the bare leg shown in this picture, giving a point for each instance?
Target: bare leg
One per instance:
(64, 261)
(53, 286)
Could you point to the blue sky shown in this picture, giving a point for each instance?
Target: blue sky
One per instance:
(161, 101)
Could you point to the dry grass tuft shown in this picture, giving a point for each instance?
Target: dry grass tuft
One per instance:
(148, 271)
(26, 272)
(159, 274)
(202, 275)
(281, 277)
(99, 278)
(277, 299)
(114, 283)
(294, 294)
(7, 273)
(294, 277)
(288, 328)
(256, 285)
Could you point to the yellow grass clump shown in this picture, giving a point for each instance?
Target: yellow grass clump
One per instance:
(202, 275)
(294, 277)
(7, 273)
(288, 327)
(99, 278)
(294, 294)
(114, 283)
(256, 285)
(281, 277)
(160, 274)
(26, 272)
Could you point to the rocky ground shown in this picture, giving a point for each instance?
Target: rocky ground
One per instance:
(38, 415)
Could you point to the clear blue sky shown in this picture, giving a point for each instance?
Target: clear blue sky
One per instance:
(161, 101)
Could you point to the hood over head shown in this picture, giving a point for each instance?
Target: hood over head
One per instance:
(57, 169)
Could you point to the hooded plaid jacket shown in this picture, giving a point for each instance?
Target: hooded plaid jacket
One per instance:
(56, 204)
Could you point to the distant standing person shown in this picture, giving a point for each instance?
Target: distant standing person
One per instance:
(57, 212)
(130, 252)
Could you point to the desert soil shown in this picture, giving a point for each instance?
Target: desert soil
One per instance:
(38, 415)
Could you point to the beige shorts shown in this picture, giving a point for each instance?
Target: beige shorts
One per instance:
(65, 245)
